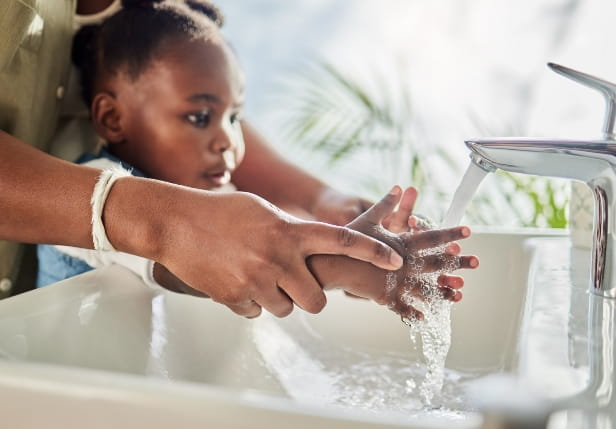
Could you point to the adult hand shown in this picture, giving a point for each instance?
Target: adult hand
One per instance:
(245, 253)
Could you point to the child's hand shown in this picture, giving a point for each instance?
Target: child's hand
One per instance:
(426, 252)
(399, 220)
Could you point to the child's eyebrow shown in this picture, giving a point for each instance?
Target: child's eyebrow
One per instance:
(199, 98)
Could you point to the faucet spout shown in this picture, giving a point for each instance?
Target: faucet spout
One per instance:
(592, 162)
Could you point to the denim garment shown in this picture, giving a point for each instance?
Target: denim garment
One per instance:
(54, 265)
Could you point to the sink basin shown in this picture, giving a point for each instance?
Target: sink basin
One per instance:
(104, 350)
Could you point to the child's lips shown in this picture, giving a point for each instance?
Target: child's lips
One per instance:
(220, 178)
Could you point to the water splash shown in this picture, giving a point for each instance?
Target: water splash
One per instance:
(313, 372)
(435, 328)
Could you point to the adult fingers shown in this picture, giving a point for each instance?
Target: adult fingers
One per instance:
(249, 309)
(276, 301)
(301, 287)
(337, 240)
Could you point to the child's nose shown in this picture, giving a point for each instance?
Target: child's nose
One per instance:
(224, 140)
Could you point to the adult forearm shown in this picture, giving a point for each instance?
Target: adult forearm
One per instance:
(47, 200)
(43, 199)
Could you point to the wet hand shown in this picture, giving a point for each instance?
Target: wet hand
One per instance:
(425, 274)
(427, 252)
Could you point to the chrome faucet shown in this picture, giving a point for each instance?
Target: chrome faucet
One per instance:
(590, 161)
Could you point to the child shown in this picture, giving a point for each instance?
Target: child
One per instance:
(165, 93)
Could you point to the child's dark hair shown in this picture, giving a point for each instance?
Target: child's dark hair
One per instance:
(129, 39)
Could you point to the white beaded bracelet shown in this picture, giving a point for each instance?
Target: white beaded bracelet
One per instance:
(101, 190)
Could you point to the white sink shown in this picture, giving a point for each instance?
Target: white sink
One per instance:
(104, 350)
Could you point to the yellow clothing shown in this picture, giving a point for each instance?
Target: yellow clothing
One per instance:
(35, 48)
(35, 43)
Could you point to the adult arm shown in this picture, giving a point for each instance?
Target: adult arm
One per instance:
(237, 248)
(365, 280)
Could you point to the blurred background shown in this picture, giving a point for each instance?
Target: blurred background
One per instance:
(370, 93)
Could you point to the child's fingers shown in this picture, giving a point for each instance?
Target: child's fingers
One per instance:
(469, 262)
(406, 311)
(381, 209)
(451, 295)
(441, 263)
(447, 294)
(453, 249)
(398, 221)
(434, 238)
(453, 282)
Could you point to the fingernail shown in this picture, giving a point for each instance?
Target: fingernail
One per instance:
(465, 231)
(474, 263)
(396, 260)
(395, 190)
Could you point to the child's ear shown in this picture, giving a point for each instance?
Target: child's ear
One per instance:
(106, 117)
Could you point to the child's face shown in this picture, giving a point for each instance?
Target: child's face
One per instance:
(181, 117)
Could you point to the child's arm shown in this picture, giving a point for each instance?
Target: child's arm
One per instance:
(265, 173)
(191, 232)
(363, 279)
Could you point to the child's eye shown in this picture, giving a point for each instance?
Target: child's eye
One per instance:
(199, 120)
(235, 118)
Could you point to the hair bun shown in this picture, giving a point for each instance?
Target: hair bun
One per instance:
(208, 9)
(142, 4)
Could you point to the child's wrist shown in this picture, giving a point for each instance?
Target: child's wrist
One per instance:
(323, 268)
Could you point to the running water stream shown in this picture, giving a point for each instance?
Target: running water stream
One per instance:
(435, 329)
(464, 194)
